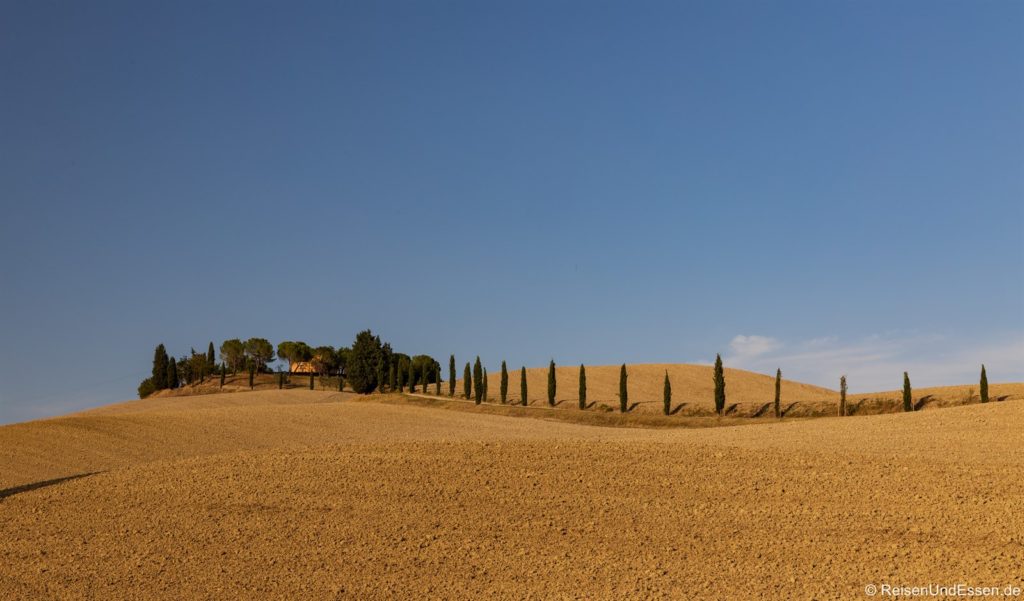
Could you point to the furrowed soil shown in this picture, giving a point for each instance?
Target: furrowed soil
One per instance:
(303, 494)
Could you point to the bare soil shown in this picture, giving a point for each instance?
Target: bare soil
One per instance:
(317, 495)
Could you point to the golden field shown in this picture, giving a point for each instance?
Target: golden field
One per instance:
(300, 494)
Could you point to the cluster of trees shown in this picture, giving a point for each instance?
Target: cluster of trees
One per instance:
(253, 355)
(367, 365)
(170, 373)
(373, 365)
(324, 359)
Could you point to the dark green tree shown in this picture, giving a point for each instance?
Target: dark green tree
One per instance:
(426, 379)
(232, 352)
(363, 362)
(324, 360)
(983, 385)
(437, 379)
(387, 359)
(666, 396)
(467, 382)
(393, 379)
(778, 392)
(412, 377)
(341, 383)
(583, 387)
(908, 401)
(160, 364)
(146, 388)
(343, 353)
(401, 378)
(842, 396)
(523, 399)
(252, 374)
(198, 362)
(478, 381)
(504, 383)
(211, 358)
(260, 352)
(623, 390)
(451, 376)
(551, 383)
(485, 384)
(172, 374)
(223, 374)
(719, 385)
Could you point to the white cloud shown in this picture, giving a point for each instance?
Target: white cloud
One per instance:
(753, 346)
(877, 362)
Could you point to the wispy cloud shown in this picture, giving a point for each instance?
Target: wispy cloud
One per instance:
(877, 362)
(753, 346)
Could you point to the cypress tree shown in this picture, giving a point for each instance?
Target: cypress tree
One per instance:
(667, 395)
(211, 357)
(551, 383)
(467, 382)
(223, 373)
(522, 387)
(583, 387)
(252, 375)
(983, 386)
(778, 392)
(401, 379)
(412, 377)
(426, 373)
(392, 379)
(623, 390)
(908, 401)
(719, 385)
(172, 374)
(451, 376)
(842, 396)
(478, 380)
(485, 384)
(504, 383)
(437, 379)
(160, 363)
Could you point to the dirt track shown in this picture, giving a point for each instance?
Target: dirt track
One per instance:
(305, 497)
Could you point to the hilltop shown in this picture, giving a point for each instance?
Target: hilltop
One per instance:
(315, 494)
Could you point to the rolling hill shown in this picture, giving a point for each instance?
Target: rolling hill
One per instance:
(312, 495)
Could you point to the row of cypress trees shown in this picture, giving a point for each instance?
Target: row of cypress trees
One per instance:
(478, 389)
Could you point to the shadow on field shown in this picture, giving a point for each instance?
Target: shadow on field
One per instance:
(921, 403)
(14, 490)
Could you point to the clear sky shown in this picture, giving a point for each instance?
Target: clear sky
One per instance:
(828, 187)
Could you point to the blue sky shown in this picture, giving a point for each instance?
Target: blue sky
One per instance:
(829, 187)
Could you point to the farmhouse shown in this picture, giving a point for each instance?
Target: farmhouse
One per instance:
(302, 367)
